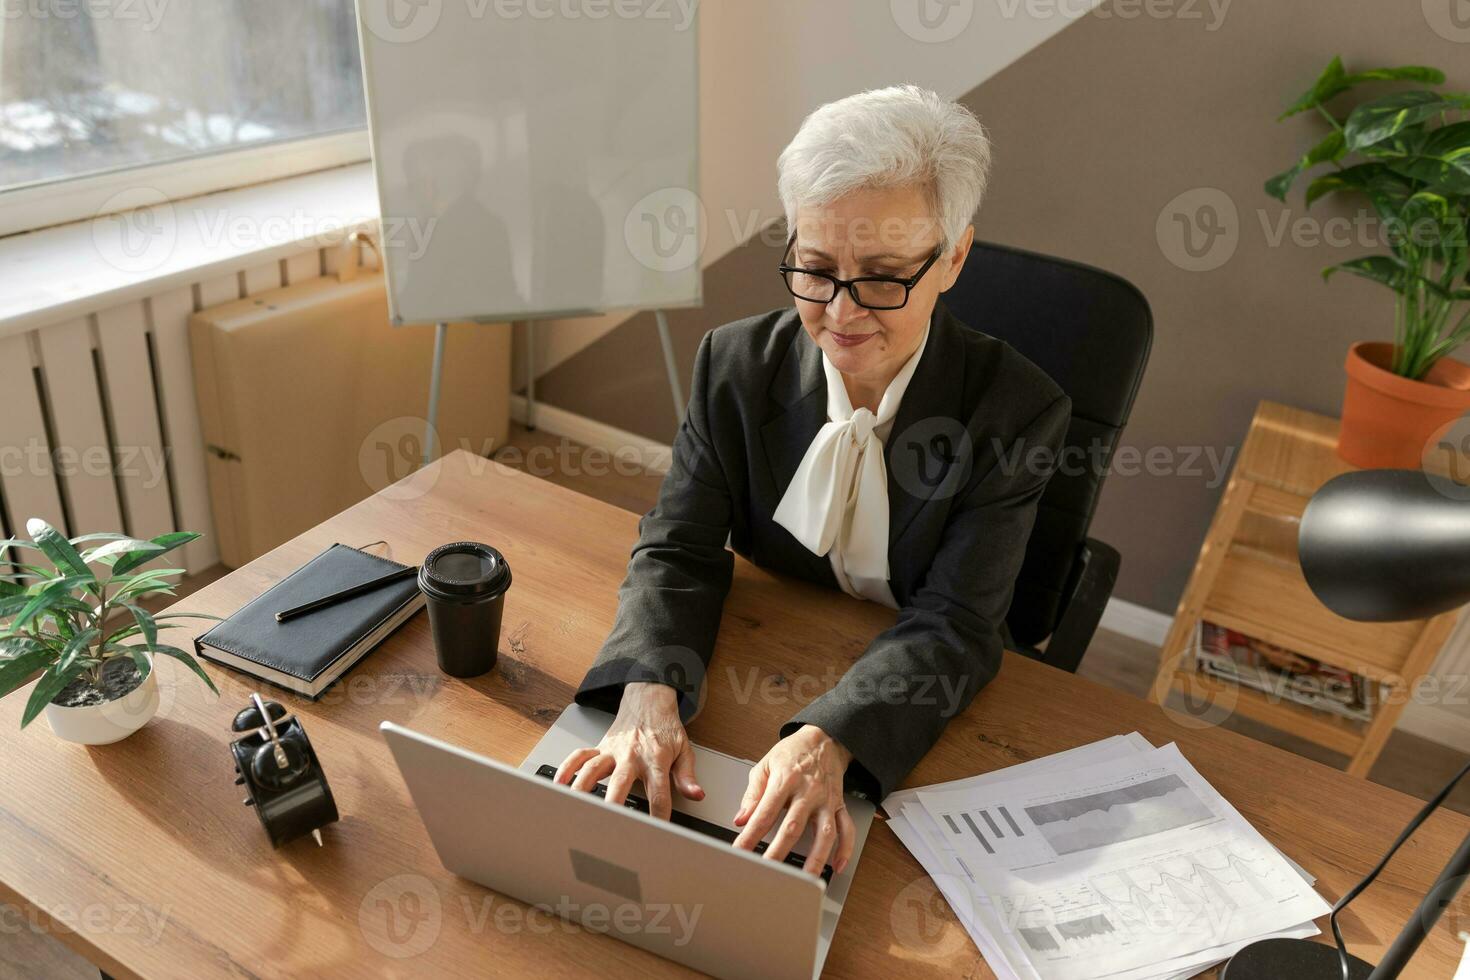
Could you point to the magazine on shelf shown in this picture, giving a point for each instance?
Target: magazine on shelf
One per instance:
(1242, 659)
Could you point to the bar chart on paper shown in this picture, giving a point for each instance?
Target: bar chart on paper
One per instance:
(1081, 823)
(1069, 934)
(1134, 866)
(997, 826)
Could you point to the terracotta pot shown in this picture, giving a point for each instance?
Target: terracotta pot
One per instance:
(1387, 419)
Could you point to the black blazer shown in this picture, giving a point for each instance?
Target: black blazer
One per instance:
(969, 453)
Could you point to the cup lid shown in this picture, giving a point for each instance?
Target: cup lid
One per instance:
(465, 568)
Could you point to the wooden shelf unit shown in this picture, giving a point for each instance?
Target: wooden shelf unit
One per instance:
(1248, 579)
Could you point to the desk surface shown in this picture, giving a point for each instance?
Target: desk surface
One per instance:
(140, 856)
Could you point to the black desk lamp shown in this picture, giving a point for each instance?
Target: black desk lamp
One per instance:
(1378, 545)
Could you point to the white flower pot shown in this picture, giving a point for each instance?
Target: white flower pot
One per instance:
(100, 724)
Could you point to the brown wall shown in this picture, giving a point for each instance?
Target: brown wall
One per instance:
(1097, 133)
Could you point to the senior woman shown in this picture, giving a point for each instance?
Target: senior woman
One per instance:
(788, 450)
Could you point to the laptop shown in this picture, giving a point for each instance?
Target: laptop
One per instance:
(676, 888)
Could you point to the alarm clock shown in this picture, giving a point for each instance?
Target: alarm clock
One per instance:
(276, 764)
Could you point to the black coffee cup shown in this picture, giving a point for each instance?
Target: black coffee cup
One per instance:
(465, 584)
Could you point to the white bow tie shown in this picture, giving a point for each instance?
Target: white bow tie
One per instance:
(839, 495)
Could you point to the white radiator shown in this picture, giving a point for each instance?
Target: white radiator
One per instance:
(99, 430)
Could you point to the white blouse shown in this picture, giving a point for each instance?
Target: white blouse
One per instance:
(837, 503)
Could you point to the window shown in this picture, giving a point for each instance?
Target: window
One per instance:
(91, 88)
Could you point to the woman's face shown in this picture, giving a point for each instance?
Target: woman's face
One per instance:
(876, 232)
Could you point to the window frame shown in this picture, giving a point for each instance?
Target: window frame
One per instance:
(30, 207)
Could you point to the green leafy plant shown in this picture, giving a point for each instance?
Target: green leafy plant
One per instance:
(1411, 159)
(68, 621)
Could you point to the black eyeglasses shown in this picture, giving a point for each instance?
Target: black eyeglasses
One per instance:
(871, 292)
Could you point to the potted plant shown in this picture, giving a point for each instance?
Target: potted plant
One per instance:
(73, 625)
(1409, 154)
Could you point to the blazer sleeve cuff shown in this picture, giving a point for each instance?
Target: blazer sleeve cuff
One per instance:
(602, 687)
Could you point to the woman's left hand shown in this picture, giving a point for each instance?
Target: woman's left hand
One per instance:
(802, 774)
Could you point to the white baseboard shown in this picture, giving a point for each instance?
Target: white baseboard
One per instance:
(1436, 723)
(1442, 725)
(1136, 622)
(654, 455)
(1443, 715)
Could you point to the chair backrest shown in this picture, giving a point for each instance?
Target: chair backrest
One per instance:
(1091, 331)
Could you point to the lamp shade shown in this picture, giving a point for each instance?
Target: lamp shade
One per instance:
(1384, 545)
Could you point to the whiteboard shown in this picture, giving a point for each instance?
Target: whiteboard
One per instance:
(534, 158)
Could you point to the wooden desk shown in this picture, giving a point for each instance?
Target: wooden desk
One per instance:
(140, 856)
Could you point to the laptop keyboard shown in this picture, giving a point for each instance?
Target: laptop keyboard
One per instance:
(636, 802)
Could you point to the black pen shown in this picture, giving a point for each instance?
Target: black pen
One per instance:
(352, 593)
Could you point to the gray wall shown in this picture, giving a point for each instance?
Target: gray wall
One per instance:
(1098, 132)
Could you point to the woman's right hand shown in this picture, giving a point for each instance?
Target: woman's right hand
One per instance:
(646, 741)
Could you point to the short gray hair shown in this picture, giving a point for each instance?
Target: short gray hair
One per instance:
(889, 137)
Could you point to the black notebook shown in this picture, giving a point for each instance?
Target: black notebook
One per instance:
(307, 653)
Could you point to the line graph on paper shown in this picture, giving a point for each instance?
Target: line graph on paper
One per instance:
(1120, 909)
(1202, 887)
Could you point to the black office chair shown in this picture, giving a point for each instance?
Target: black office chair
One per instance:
(1091, 331)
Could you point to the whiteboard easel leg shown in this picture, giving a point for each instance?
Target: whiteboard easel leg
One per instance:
(530, 377)
(670, 365)
(436, 376)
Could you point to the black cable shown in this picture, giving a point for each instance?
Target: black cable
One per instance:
(1360, 887)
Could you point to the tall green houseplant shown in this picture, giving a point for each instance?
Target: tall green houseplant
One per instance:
(1409, 154)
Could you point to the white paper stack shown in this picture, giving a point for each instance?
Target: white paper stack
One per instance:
(1115, 859)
